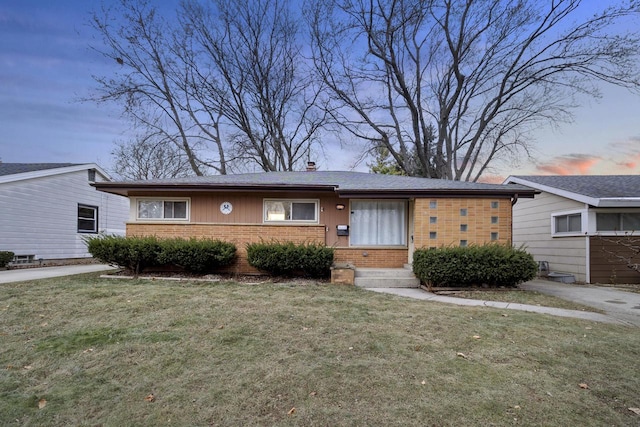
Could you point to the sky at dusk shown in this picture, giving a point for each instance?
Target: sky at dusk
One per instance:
(46, 68)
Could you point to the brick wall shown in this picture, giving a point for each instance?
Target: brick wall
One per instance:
(381, 258)
(239, 234)
(448, 222)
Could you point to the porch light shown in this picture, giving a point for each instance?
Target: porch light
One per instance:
(340, 207)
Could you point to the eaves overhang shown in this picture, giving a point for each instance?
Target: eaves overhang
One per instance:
(436, 193)
(125, 189)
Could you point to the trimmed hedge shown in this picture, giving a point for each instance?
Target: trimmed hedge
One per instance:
(132, 253)
(139, 253)
(290, 259)
(491, 265)
(197, 255)
(5, 258)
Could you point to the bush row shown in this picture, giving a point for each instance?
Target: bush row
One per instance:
(138, 253)
(492, 265)
(5, 258)
(290, 259)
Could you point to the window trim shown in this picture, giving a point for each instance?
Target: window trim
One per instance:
(95, 219)
(136, 209)
(316, 202)
(583, 225)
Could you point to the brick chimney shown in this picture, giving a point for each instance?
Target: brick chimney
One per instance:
(311, 166)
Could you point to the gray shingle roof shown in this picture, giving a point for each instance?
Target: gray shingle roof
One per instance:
(596, 186)
(15, 168)
(340, 181)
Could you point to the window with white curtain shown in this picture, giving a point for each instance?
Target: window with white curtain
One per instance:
(378, 223)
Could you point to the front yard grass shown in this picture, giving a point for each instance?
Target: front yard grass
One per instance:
(90, 351)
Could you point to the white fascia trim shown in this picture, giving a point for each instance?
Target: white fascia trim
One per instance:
(54, 171)
(619, 202)
(558, 192)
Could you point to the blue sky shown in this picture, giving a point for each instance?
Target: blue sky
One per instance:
(46, 66)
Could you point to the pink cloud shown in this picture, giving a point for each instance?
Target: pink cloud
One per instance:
(572, 164)
(492, 179)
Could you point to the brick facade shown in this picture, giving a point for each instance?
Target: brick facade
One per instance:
(238, 234)
(485, 220)
(372, 257)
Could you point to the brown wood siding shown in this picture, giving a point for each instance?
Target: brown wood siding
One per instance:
(605, 268)
(248, 209)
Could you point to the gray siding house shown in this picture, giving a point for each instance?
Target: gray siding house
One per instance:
(47, 208)
(578, 224)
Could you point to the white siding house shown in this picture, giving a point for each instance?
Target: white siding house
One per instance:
(47, 209)
(532, 219)
(576, 224)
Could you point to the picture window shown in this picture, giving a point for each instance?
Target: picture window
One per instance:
(290, 211)
(157, 209)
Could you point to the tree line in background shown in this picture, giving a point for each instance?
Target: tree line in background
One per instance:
(432, 88)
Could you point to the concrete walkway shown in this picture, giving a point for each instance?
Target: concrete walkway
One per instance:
(617, 303)
(614, 318)
(621, 307)
(35, 273)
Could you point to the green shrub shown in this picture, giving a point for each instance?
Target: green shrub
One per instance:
(290, 259)
(491, 265)
(197, 255)
(5, 258)
(132, 253)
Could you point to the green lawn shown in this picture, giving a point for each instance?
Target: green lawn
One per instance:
(88, 351)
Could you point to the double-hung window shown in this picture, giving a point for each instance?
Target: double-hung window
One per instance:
(282, 210)
(158, 209)
(87, 219)
(378, 223)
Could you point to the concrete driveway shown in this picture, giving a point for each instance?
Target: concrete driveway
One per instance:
(23, 274)
(619, 304)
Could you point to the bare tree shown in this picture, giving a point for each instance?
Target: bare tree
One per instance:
(154, 85)
(150, 158)
(256, 79)
(449, 87)
(224, 83)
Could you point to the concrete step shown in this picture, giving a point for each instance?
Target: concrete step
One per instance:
(383, 272)
(385, 278)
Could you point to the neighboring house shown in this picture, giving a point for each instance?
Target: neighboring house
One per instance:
(47, 208)
(371, 220)
(573, 222)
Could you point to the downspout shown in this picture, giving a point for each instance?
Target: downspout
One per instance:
(514, 200)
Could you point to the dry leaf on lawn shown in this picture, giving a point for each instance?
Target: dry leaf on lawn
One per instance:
(292, 411)
(42, 403)
(635, 410)
(476, 337)
(583, 385)
(464, 356)
(150, 398)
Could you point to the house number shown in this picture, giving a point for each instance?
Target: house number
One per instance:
(226, 208)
